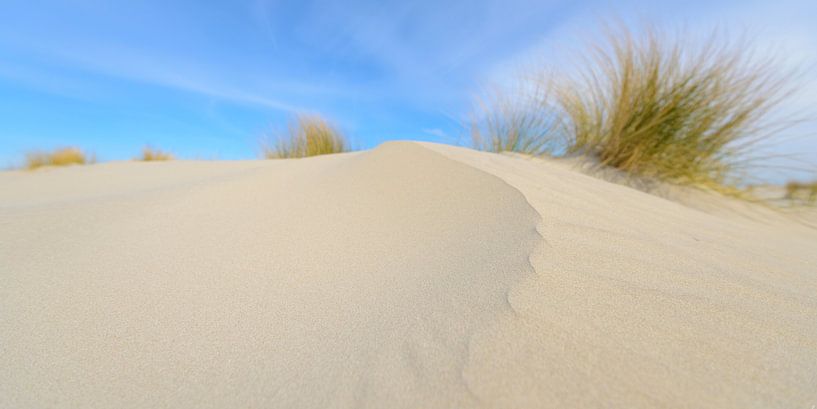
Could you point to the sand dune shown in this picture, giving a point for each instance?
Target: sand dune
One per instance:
(412, 275)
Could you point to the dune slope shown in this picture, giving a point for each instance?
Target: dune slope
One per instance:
(412, 275)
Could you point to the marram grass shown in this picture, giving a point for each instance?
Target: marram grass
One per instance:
(660, 107)
(804, 192)
(504, 122)
(307, 135)
(150, 154)
(58, 157)
(651, 105)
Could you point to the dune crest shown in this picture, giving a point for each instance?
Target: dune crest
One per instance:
(350, 281)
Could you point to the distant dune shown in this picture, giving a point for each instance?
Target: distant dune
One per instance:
(409, 276)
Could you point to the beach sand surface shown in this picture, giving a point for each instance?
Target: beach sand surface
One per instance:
(413, 275)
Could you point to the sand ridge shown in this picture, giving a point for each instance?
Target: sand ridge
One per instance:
(642, 302)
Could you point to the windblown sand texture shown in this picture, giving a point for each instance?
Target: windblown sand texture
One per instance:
(409, 276)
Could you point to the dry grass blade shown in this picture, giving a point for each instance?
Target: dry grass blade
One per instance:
(307, 135)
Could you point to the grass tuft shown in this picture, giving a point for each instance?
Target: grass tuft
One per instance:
(58, 157)
(660, 107)
(307, 135)
(150, 154)
(803, 192)
(504, 122)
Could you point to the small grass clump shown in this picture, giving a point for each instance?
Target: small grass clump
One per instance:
(58, 157)
(307, 135)
(660, 107)
(805, 192)
(150, 154)
(512, 123)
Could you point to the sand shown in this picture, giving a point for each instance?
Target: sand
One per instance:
(410, 276)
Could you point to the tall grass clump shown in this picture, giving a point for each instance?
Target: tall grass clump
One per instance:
(58, 157)
(513, 122)
(307, 135)
(150, 154)
(661, 107)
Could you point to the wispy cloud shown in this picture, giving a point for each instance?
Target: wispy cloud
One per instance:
(287, 55)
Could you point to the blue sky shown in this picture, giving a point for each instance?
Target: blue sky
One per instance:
(208, 79)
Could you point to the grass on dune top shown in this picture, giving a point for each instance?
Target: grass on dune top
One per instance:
(805, 192)
(57, 157)
(648, 104)
(307, 135)
(150, 154)
(659, 107)
(513, 123)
